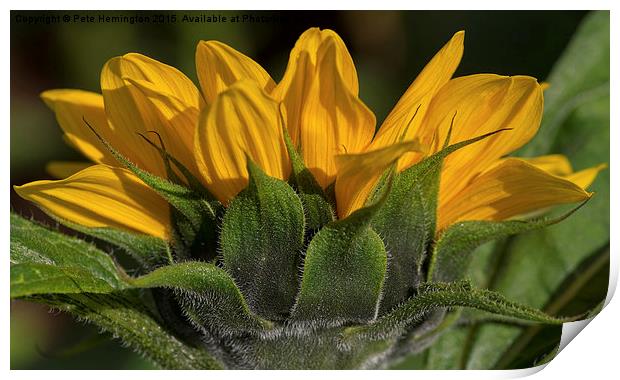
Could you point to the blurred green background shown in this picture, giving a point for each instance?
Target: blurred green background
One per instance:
(388, 47)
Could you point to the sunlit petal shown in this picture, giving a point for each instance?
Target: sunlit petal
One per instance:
(334, 120)
(164, 77)
(481, 104)
(294, 88)
(177, 121)
(219, 66)
(102, 196)
(134, 87)
(510, 188)
(242, 122)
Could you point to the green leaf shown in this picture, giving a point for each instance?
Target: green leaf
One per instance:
(344, 271)
(208, 294)
(32, 278)
(148, 251)
(452, 253)
(406, 223)
(135, 326)
(45, 261)
(262, 240)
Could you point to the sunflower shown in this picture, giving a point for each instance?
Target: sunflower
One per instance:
(240, 113)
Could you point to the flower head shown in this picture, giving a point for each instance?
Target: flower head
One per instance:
(241, 114)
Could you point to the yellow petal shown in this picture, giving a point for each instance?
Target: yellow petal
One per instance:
(556, 164)
(71, 108)
(177, 121)
(220, 66)
(585, 177)
(510, 188)
(64, 169)
(334, 120)
(310, 43)
(358, 174)
(243, 121)
(163, 77)
(294, 93)
(134, 109)
(102, 196)
(293, 89)
(400, 124)
(482, 103)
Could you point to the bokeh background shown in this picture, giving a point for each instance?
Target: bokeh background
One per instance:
(389, 49)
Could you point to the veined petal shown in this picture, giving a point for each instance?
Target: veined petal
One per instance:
(102, 196)
(219, 66)
(358, 174)
(133, 88)
(309, 43)
(481, 104)
(510, 188)
(333, 121)
(293, 92)
(164, 77)
(400, 124)
(243, 122)
(71, 108)
(64, 169)
(293, 89)
(177, 121)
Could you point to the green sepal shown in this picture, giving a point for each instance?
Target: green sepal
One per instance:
(261, 240)
(186, 201)
(344, 271)
(432, 296)
(453, 250)
(194, 214)
(192, 242)
(46, 261)
(407, 222)
(318, 210)
(209, 296)
(191, 180)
